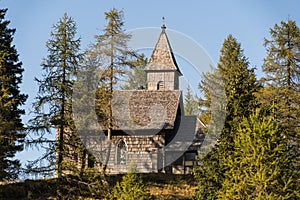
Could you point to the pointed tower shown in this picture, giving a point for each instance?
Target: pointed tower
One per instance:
(162, 70)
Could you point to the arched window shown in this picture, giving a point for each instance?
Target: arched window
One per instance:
(121, 152)
(160, 85)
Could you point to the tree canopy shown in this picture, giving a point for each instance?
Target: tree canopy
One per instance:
(53, 108)
(11, 127)
(239, 85)
(261, 166)
(281, 94)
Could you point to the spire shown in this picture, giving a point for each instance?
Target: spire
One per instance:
(162, 57)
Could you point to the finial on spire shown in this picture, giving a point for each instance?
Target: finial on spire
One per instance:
(163, 25)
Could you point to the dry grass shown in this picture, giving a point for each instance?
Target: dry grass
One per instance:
(170, 191)
(170, 186)
(161, 186)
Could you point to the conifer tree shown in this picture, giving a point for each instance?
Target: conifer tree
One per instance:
(53, 109)
(83, 107)
(131, 187)
(206, 88)
(114, 57)
(281, 94)
(11, 126)
(137, 78)
(260, 167)
(190, 103)
(240, 86)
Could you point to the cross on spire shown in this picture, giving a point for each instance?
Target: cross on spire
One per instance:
(163, 25)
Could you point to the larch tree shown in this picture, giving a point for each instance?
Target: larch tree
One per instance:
(11, 126)
(261, 165)
(240, 85)
(115, 57)
(281, 92)
(53, 108)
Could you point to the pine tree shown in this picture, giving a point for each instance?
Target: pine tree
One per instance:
(53, 108)
(131, 187)
(11, 126)
(282, 81)
(240, 85)
(190, 103)
(260, 167)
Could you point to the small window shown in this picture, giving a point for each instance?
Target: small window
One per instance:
(91, 161)
(160, 85)
(121, 153)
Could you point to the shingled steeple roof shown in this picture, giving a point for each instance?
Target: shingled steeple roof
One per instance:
(162, 58)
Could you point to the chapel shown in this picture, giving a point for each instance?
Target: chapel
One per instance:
(149, 129)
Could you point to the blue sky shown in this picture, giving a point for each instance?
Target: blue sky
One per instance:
(207, 22)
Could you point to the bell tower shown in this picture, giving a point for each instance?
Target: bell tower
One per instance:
(162, 70)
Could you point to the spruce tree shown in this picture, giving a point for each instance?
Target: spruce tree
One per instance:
(260, 167)
(240, 85)
(53, 108)
(11, 126)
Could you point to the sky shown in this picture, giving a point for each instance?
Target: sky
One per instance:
(208, 23)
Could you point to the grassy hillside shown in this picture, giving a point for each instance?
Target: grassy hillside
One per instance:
(161, 186)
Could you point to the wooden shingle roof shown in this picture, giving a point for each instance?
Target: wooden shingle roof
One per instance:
(144, 109)
(162, 58)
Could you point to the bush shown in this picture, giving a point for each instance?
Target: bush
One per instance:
(131, 187)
